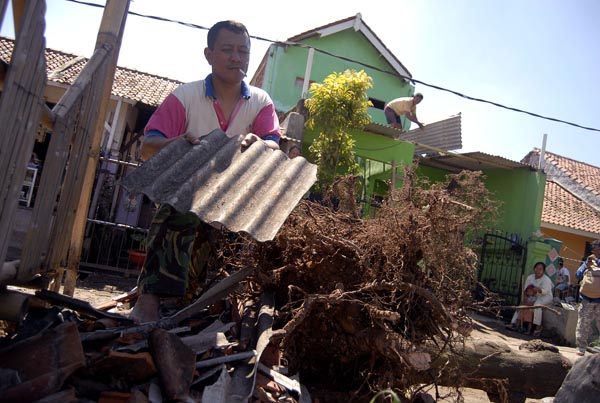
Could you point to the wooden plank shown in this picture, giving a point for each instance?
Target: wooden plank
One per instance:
(70, 194)
(20, 108)
(111, 32)
(66, 114)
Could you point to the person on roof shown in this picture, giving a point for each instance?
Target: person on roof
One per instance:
(179, 244)
(405, 106)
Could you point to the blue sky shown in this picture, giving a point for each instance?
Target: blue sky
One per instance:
(541, 56)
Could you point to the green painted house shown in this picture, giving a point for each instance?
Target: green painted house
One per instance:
(289, 67)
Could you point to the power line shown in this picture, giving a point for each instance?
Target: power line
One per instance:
(279, 43)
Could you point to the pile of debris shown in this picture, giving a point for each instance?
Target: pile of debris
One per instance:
(335, 308)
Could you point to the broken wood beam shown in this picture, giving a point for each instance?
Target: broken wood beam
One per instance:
(78, 305)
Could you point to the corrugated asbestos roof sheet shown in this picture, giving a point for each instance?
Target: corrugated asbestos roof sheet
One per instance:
(251, 191)
(474, 161)
(442, 135)
(63, 68)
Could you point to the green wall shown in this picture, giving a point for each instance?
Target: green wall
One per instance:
(375, 154)
(286, 63)
(371, 146)
(520, 192)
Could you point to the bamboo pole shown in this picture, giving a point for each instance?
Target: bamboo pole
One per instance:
(110, 32)
(20, 110)
(18, 13)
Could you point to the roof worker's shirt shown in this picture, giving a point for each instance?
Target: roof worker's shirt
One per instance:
(402, 105)
(193, 108)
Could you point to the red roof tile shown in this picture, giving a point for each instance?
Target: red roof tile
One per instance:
(563, 208)
(64, 68)
(584, 174)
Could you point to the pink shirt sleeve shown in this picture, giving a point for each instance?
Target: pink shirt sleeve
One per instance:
(266, 122)
(169, 118)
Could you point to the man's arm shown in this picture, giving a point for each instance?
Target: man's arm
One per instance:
(579, 272)
(413, 118)
(156, 141)
(153, 144)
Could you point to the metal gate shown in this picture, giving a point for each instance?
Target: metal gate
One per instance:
(117, 221)
(502, 264)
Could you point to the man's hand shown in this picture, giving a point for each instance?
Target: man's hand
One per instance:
(421, 125)
(249, 139)
(191, 138)
(253, 138)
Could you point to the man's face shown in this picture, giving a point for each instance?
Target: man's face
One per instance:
(417, 100)
(230, 54)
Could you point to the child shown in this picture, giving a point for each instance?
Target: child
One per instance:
(526, 315)
(563, 281)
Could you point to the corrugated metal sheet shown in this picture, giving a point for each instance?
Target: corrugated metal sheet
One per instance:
(442, 135)
(473, 161)
(252, 191)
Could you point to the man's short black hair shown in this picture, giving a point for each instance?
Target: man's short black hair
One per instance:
(595, 243)
(233, 26)
(419, 95)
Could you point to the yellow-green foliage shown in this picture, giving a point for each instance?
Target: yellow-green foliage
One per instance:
(336, 106)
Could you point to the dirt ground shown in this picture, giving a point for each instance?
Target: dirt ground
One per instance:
(98, 287)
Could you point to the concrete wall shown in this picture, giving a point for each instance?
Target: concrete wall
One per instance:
(561, 326)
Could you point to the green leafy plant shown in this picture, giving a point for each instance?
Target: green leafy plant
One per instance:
(336, 106)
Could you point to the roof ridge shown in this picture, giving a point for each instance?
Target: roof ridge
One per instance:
(546, 153)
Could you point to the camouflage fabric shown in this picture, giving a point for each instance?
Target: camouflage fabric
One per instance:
(588, 314)
(180, 249)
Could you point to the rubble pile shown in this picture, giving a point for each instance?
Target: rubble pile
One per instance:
(335, 308)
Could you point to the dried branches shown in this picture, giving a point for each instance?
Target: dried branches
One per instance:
(368, 299)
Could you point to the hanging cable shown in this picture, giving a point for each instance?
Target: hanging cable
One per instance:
(471, 98)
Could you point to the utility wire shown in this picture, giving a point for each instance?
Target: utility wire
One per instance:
(279, 43)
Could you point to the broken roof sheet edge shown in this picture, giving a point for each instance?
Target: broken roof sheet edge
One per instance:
(251, 190)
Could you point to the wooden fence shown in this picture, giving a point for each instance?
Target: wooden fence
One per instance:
(55, 235)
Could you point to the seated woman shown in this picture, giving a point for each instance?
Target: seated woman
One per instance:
(542, 286)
